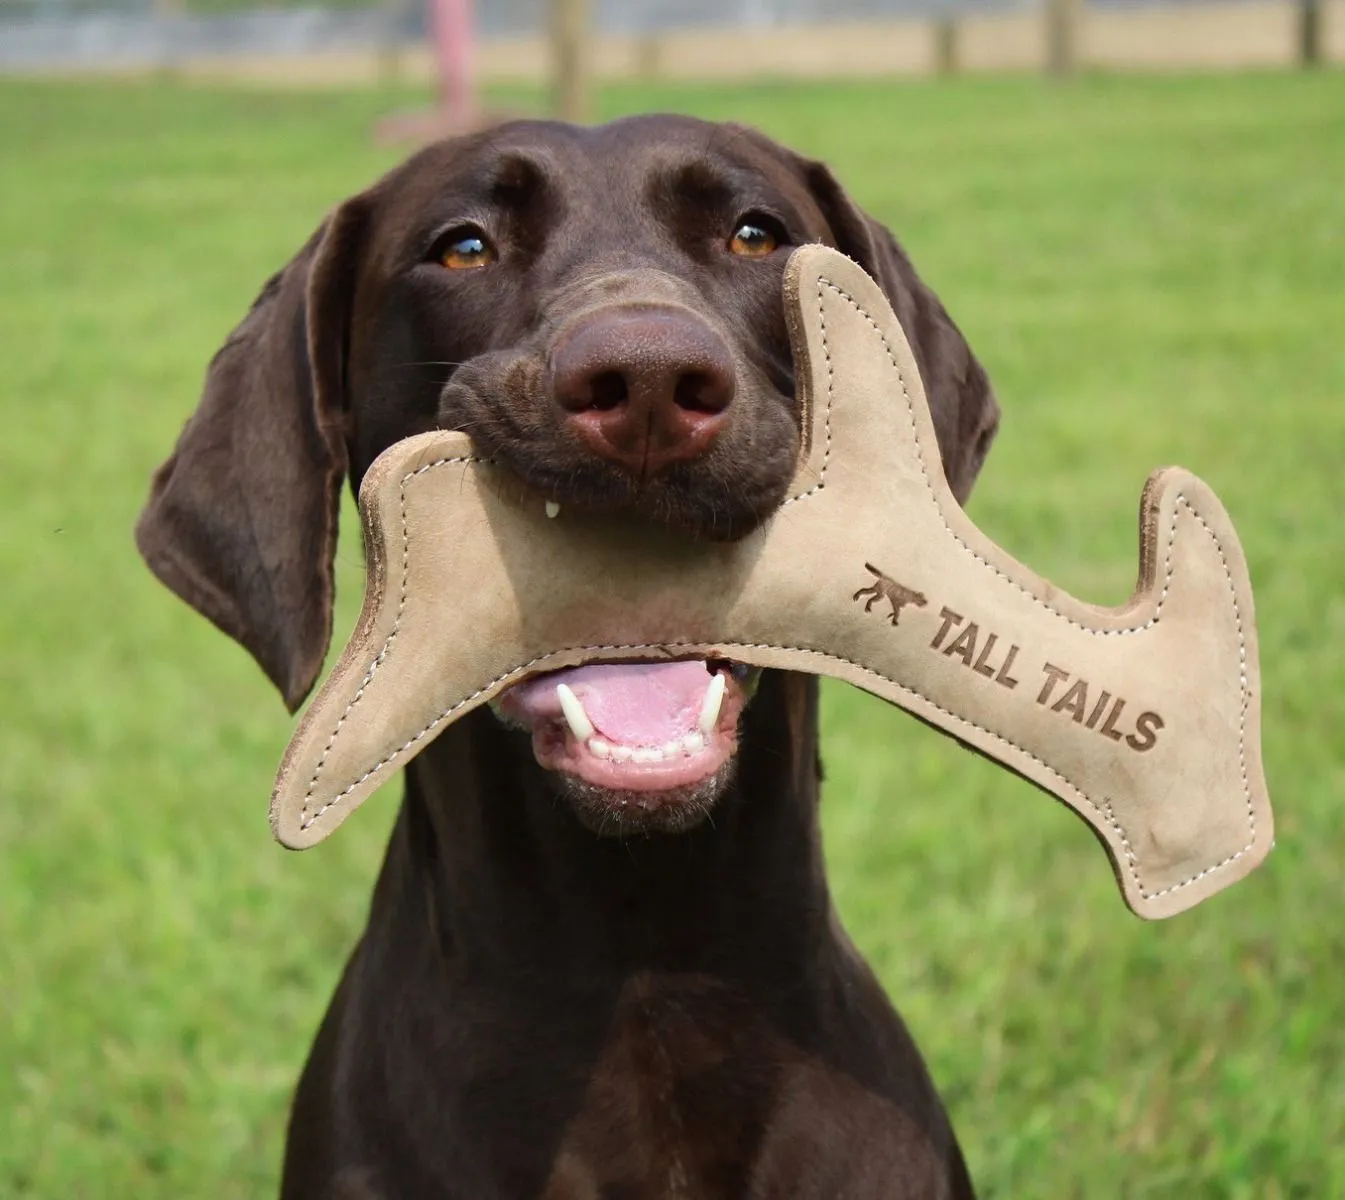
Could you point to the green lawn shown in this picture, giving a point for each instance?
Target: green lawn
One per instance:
(1153, 271)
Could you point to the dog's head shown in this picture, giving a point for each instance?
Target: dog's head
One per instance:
(601, 310)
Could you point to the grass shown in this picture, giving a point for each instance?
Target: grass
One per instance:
(1152, 271)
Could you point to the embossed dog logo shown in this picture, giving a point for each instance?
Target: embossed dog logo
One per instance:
(898, 595)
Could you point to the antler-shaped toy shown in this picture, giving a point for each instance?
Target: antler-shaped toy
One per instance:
(1145, 719)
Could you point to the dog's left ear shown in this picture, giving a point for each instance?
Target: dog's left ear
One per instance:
(961, 400)
(241, 519)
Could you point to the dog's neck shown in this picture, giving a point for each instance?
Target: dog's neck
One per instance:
(509, 885)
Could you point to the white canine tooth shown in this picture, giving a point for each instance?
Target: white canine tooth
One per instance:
(622, 753)
(693, 743)
(647, 754)
(599, 748)
(552, 509)
(672, 748)
(714, 697)
(575, 716)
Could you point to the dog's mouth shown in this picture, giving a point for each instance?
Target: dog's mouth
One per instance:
(636, 729)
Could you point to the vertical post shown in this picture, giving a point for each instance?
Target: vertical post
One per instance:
(451, 27)
(1063, 19)
(569, 59)
(167, 16)
(945, 44)
(390, 35)
(1309, 32)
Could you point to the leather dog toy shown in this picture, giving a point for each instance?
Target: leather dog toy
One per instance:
(1145, 719)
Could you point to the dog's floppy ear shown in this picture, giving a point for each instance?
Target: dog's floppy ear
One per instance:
(961, 400)
(241, 519)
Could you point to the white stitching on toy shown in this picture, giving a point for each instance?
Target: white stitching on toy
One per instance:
(392, 635)
(1153, 620)
(924, 470)
(826, 418)
(1105, 810)
(1244, 686)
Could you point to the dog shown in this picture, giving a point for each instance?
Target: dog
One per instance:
(577, 981)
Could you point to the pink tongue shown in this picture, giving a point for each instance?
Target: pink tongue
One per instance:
(633, 704)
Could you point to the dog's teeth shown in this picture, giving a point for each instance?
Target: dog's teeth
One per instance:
(714, 697)
(552, 509)
(575, 716)
(622, 753)
(647, 754)
(671, 749)
(599, 748)
(693, 743)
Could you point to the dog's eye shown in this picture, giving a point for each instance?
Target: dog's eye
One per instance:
(753, 238)
(465, 249)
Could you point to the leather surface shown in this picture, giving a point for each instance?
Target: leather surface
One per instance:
(1145, 719)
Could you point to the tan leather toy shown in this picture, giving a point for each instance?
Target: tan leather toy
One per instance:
(1145, 719)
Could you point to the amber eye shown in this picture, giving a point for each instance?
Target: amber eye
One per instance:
(466, 249)
(752, 240)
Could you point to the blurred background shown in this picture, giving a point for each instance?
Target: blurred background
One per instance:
(348, 40)
(1136, 212)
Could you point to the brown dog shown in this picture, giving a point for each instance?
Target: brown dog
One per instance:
(539, 1008)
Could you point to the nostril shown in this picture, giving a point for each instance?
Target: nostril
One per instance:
(697, 391)
(643, 387)
(608, 391)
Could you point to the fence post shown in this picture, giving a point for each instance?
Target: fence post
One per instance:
(1063, 20)
(1309, 32)
(945, 44)
(569, 59)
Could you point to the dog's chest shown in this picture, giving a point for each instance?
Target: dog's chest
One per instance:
(679, 1097)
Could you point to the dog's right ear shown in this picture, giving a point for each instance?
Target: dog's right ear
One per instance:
(241, 520)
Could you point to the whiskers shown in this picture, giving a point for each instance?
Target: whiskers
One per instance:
(445, 369)
(428, 362)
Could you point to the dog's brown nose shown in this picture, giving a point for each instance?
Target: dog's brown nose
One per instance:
(644, 387)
